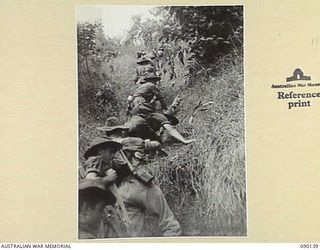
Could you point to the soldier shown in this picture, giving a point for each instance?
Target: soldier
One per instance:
(155, 60)
(145, 65)
(143, 110)
(146, 126)
(98, 157)
(147, 94)
(94, 196)
(135, 145)
(140, 196)
(101, 148)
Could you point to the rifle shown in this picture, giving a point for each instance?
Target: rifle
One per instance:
(140, 173)
(123, 213)
(112, 227)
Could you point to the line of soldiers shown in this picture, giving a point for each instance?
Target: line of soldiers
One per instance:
(115, 191)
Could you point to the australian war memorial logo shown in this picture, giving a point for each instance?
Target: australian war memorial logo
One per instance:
(297, 99)
(298, 76)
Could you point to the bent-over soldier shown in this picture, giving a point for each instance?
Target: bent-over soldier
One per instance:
(141, 197)
(94, 196)
(143, 110)
(102, 151)
(147, 94)
(145, 65)
(140, 147)
(147, 125)
(137, 196)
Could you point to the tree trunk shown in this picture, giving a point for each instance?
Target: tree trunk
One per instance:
(87, 66)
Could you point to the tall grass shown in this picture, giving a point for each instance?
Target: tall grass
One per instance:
(204, 182)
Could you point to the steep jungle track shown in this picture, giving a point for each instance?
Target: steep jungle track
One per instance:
(204, 182)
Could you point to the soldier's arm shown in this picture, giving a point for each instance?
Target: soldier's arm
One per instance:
(163, 104)
(92, 168)
(110, 176)
(95, 170)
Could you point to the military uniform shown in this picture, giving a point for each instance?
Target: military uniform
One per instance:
(145, 66)
(148, 91)
(142, 70)
(135, 144)
(144, 98)
(89, 190)
(146, 125)
(139, 198)
(131, 143)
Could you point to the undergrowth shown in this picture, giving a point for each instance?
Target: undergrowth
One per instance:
(204, 183)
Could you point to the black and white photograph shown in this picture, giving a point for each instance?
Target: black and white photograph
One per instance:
(161, 121)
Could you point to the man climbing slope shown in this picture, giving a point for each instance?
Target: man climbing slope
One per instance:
(144, 110)
(138, 197)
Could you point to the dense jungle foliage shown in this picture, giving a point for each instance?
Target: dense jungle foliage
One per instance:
(202, 62)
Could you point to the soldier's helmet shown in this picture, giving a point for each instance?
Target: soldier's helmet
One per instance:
(149, 74)
(99, 142)
(112, 124)
(145, 71)
(90, 188)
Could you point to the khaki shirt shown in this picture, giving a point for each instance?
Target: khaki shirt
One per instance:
(142, 70)
(132, 144)
(148, 91)
(95, 164)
